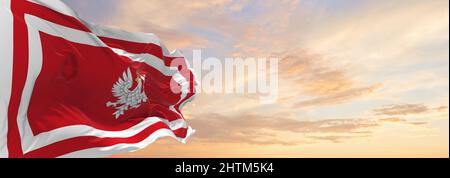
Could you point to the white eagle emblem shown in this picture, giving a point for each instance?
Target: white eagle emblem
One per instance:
(127, 98)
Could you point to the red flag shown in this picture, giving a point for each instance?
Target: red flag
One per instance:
(72, 89)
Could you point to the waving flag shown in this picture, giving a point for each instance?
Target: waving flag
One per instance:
(72, 89)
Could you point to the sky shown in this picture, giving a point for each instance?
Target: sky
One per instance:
(357, 78)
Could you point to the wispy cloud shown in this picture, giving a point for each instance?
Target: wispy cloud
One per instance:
(269, 130)
(311, 74)
(401, 121)
(337, 98)
(259, 129)
(406, 109)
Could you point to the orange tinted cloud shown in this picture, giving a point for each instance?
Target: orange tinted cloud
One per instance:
(406, 109)
(401, 121)
(337, 98)
(264, 130)
(313, 75)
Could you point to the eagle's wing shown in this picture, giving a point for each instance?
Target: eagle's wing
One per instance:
(121, 88)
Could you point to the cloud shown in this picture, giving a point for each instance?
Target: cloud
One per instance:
(173, 38)
(441, 109)
(401, 121)
(265, 130)
(330, 55)
(336, 98)
(313, 81)
(283, 129)
(406, 109)
(311, 74)
(191, 23)
(336, 139)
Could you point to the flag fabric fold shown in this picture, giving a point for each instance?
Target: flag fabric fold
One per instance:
(74, 89)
